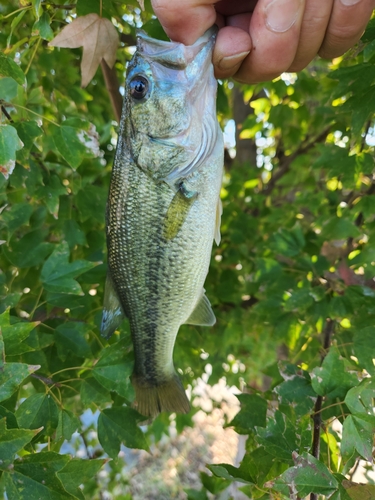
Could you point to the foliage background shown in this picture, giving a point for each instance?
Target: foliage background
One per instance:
(292, 283)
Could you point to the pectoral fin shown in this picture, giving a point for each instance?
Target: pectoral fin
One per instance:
(219, 211)
(113, 313)
(178, 211)
(203, 314)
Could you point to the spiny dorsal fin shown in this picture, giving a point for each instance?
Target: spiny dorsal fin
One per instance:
(113, 313)
(203, 314)
(219, 211)
(178, 211)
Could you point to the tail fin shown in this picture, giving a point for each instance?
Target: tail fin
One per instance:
(168, 396)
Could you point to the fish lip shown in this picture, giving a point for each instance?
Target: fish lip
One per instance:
(174, 54)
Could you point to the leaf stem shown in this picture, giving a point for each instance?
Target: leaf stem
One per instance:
(33, 55)
(37, 114)
(101, 8)
(16, 11)
(36, 304)
(72, 368)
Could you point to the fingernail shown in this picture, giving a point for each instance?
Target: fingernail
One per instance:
(282, 14)
(230, 62)
(349, 3)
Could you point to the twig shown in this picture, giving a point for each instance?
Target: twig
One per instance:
(317, 418)
(112, 85)
(47, 381)
(6, 114)
(287, 161)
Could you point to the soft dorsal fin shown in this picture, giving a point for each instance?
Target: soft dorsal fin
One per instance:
(178, 211)
(113, 313)
(203, 314)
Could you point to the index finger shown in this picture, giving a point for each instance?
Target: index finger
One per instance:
(185, 21)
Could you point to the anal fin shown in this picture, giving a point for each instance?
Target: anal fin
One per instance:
(113, 313)
(203, 314)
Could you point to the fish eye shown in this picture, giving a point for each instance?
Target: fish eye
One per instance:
(138, 87)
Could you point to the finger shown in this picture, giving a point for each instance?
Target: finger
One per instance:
(314, 25)
(232, 45)
(348, 21)
(185, 21)
(230, 8)
(275, 30)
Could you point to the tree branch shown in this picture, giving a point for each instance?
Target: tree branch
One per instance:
(288, 160)
(112, 85)
(317, 418)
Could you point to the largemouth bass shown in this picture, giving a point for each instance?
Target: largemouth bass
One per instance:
(163, 210)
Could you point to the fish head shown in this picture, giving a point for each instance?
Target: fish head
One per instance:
(170, 95)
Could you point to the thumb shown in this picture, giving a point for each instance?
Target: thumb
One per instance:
(185, 21)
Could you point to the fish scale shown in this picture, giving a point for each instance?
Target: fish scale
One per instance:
(160, 233)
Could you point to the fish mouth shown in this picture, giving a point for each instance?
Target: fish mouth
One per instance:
(177, 55)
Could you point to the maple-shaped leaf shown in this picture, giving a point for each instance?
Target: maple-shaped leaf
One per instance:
(99, 40)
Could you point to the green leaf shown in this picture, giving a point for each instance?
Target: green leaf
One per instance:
(195, 494)
(11, 377)
(8, 88)
(279, 438)
(364, 348)
(253, 413)
(58, 273)
(42, 27)
(118, 425)
(296, 391)
(287, 242)
(9, 144)
(14, 334)
(68, 423)
(9, 68)
(50, 194)
(10, 418)
(27, 131)
(213, 484)
(332, 379)
(104, 8)
(357, 435)
(93, 392)
(308, 475)
(91, 202)
(16, 216)
(77, 472)
(12, 441)
(114, 368)
(230, 473)
(360, 399)
(76, 140)
(35, 477)
(28, 251)
(38, 410)
(72, 337)
(299, 300)
(339, 228)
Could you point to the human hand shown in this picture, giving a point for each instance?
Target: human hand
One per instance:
(260, 39)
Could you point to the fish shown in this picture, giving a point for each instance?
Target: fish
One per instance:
(163, 210)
